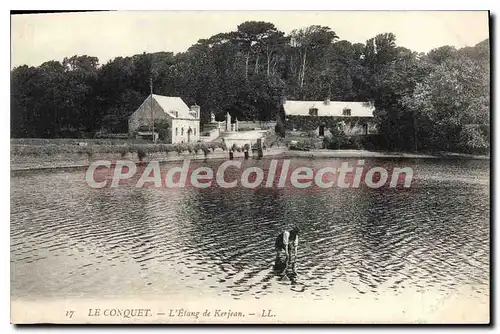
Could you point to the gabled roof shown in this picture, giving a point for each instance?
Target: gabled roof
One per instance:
(171, 104)
(333, 108)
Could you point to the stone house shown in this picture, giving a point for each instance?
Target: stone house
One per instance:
(353, 118)
(184, 121)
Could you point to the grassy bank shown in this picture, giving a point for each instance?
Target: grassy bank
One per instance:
(49, 147)
(29, 154)
(57, 153)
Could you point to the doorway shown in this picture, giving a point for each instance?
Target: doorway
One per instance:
(322, 130)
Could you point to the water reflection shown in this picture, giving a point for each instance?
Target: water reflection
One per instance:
(68, 239)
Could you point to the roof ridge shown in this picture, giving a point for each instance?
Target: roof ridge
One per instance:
(321, 101)
(172, 104)
(167, 96)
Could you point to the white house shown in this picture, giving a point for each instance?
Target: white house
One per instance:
(184, 121)
(356, 118)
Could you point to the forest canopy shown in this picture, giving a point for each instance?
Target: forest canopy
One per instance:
(437, 101)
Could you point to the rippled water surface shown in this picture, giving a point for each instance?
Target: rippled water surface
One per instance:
(70, 240)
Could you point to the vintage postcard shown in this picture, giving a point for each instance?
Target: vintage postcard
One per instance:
(250, 167)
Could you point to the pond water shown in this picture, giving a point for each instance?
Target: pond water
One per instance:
(68, 239)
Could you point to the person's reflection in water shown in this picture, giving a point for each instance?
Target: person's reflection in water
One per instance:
(286, 246)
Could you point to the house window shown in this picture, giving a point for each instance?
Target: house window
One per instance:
(176, 131)
(176, 113)
(346, 112)
(182, 131)
(194, 132)
(313, 111)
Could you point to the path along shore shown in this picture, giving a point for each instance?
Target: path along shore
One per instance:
(75, 160)
(323, 153)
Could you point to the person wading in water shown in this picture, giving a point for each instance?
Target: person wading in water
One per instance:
(286, 242)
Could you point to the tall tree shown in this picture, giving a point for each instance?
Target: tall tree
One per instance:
(309, 42)
(250, 36)
(438, 100)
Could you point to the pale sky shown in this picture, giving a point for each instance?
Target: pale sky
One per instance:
(41, 37)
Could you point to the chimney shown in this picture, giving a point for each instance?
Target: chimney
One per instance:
(196, 109)
(327, 101)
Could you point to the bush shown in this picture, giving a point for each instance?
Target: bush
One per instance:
(222, 145)
(164, 148)
(279, 129)
(163, 129)
(357, 142)
(311, 134)
(344, 142)
(205, 150)
(301, 146)
(196, 148)
(141, 153)
(180, 147)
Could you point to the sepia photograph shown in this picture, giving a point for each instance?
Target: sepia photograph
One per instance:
(250, 167)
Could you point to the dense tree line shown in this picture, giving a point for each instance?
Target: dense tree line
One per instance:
(438, 100)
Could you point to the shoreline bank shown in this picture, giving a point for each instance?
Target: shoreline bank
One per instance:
(81, 160)
(324, 153)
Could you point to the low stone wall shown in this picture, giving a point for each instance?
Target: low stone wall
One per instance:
(241, 138)
(250, 125)
(26, 162)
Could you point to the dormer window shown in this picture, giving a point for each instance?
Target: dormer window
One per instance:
(346, 112)
(176, 113)
(313, 111)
